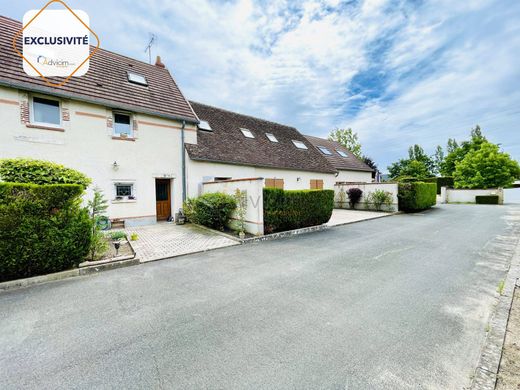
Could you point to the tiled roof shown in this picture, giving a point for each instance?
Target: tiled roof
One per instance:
(349, 163)
(106, 81)
(227, 144)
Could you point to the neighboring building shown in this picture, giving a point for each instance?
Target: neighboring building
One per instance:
(236, 146)
(349, 167)
(121, 124)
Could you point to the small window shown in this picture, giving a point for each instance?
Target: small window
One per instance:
(247, 133)
(137, 78)
(342, 153)
(204, 125)
(271, 137)
(325, 151)
(122, 125)
(124, 190)
(299, 144)
(46, 111)
(274, 183)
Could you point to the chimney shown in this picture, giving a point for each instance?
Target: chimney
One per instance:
(159, 63)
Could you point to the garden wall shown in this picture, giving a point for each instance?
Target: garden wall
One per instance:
(341, 198)
(451, 195)
(255, 203)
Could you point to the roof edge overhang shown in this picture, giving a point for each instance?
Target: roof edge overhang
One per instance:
(102, 102)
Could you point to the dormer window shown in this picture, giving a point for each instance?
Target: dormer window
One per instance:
(136, 78)
(299, 144)
(204, 125)
(325, 151)
(342, 153)
(247, 133)
(271, 137)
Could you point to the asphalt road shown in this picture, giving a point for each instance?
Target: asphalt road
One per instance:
(394, 303)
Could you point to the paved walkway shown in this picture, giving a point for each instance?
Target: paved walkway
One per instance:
(344, 216)
(165, 240)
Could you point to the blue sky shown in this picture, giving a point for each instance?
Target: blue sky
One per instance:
(398, 72)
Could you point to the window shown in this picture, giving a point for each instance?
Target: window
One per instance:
(247, 133)
(299, 144)
(122, 124)
(137, 78)
(325, 151)
(342, 153)
(274, 183)
(316, 184)
(124, 190)
(204, 125)
(271, 137)
(46, 111)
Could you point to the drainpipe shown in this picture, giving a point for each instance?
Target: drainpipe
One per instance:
(183, 154)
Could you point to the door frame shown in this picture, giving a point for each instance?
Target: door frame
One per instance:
(170, 195)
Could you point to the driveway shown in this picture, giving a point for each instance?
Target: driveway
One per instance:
(392, 303)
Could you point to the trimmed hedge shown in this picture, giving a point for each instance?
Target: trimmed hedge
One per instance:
(43, 229)
(212, 209)
(295, 209)
(443, 181)
(417, 196)
(21, 170)
(486, 199)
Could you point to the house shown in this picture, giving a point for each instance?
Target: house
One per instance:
(122, 124)
(349, 167)
(235, 146)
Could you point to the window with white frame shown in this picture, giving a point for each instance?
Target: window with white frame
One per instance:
(271, 137)
(299, 144)
(247, 133)
(124, 191)
(45, 111)
(122, 124)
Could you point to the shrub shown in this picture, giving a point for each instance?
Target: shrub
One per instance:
(287, 210)
(97, 206)
(417, 196)
(43, 229)
(212, 209)
(116, 236)
(354, 195)
(20, 170)
(486, 199)
(379, 198)
(443, 181)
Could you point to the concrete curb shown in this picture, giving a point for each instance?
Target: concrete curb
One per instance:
(390, 214)
(21, 283)
(288, 233)
(486, 372)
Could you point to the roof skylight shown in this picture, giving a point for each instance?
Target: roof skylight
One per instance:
(342, 153)
(247, 133)
(204, 125)
(271, 137)
(137, 78)
(299, 144)
(325, 151)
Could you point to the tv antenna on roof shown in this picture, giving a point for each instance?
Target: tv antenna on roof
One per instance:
(149, 47)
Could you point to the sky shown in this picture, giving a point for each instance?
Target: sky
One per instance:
(397, 72)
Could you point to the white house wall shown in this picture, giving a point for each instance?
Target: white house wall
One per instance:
(354, 177)
(87, 145)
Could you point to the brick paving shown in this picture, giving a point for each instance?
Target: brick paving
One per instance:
(165, 240)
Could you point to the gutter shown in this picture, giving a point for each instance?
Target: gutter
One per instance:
(183, 154)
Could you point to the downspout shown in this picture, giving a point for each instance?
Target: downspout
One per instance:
(183, 153)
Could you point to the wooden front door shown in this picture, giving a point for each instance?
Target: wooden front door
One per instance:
(163, 199)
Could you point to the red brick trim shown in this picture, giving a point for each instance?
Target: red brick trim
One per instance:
(81, 113)
(233, 180)
(24, 112)
(162, 125)
(6, 101)
(65, 114)
(123, 139)
(33, 126)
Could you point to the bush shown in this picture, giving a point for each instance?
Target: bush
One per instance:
(443, 181)
(417, 196)
(354, 195)
(287, 210)
(212, 209)
(486, 199)
(379, 198)
(43, 229)
(19, 170)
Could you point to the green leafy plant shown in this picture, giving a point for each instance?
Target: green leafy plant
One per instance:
(212, 209)
(134, 237)
(97, 207)
(347, 138)
(378, 199)
(354, 196)
(416, 196)
(241, 202)
(21, 170)
(500, 288)
(116, 236)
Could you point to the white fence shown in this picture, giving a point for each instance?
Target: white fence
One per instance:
(254, 220)
(341, 197)
(512, 195)
(451, 195)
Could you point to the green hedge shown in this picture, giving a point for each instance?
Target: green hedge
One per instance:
(486, 199)
(43, 229)
(212, 209)
(295, 209)
(443, 181)
(21, 170)
(417, 196)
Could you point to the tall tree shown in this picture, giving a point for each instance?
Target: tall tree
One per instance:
(458, 152)
(347, 138)
(367, 160)
(438, 159)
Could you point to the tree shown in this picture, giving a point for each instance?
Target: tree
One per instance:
(348, 139)
(417, 153)
(418, 164)
(367, 160)
(438, 159)
(457, 153)
(486, 167)
(97, 208)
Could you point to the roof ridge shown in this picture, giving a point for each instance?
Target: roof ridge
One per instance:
(246, 115)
